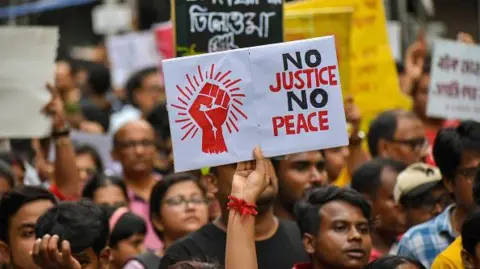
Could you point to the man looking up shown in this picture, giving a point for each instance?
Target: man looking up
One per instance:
(134, 148)
(297, 173)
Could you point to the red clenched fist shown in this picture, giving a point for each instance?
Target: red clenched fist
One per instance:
(209, 110)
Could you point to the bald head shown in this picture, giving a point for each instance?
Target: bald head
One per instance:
(134, 148)
(133, 126)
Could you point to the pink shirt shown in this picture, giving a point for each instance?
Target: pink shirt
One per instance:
(142, 209)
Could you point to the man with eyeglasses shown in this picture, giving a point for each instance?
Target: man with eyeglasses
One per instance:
(398, 135)
(134, 148)
(457, 154)
(421, 193)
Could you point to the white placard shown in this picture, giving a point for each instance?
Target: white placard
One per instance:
(454, 91)
(27, 63)
(111, 18)
(211, 109)
(305, 114)
(395, 37)
(222, 105)
(130, 53)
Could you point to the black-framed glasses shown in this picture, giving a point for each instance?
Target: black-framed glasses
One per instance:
(133, 144)
(415, 143)
(182, 200)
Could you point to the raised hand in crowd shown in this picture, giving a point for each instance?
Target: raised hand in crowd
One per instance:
(67, 183)
(465, 38)
(414, 62)
(48, 255)
(358, 155)
(250, 180)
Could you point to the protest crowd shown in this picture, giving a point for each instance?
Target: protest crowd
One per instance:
(110, 185)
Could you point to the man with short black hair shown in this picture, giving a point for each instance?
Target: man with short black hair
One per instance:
(376, 180)
(20, 209)
(399, 135)
(73, 235)
(296, 174)
(421, 193)
(452, 256)
(457, 154)
(335, 224)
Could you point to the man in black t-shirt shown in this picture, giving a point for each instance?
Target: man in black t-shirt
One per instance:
(278, 242)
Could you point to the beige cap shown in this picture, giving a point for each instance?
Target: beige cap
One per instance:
(418, 177)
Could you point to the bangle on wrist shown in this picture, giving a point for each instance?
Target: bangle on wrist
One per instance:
(64, 132)
(357, 138)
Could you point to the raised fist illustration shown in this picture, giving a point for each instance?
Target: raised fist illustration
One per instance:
(209, 110)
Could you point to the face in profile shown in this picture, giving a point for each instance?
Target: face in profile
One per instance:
(183, 210)
(343, 239)
(300, 172)
(21, 233)
(391, 220)
(335, 161)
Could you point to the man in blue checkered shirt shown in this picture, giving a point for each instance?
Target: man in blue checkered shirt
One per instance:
(457, 154)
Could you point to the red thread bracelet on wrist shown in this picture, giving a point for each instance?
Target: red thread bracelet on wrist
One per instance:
(241, 206)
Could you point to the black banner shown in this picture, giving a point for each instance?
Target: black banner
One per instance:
(216, 25)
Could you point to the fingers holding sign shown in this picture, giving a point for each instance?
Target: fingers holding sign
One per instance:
(47, 255)
(251, 178)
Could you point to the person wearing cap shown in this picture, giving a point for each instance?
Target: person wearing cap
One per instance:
(421, 193)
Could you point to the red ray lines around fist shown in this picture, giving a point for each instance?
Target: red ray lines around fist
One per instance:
(206, 103)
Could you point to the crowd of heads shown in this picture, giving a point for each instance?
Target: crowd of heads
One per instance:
(345, 207)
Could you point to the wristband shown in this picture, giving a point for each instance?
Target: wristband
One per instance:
(64, 132)
(241, 206)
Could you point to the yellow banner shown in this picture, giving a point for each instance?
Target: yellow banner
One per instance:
(303, 24)
(372, 79)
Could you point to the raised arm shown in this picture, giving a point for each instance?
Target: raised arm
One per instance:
(249, 181)
(67, 177)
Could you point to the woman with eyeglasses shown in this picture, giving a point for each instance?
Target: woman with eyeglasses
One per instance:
(106, 190)
(178, 206)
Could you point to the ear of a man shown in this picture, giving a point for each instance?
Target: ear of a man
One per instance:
(309, 243)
